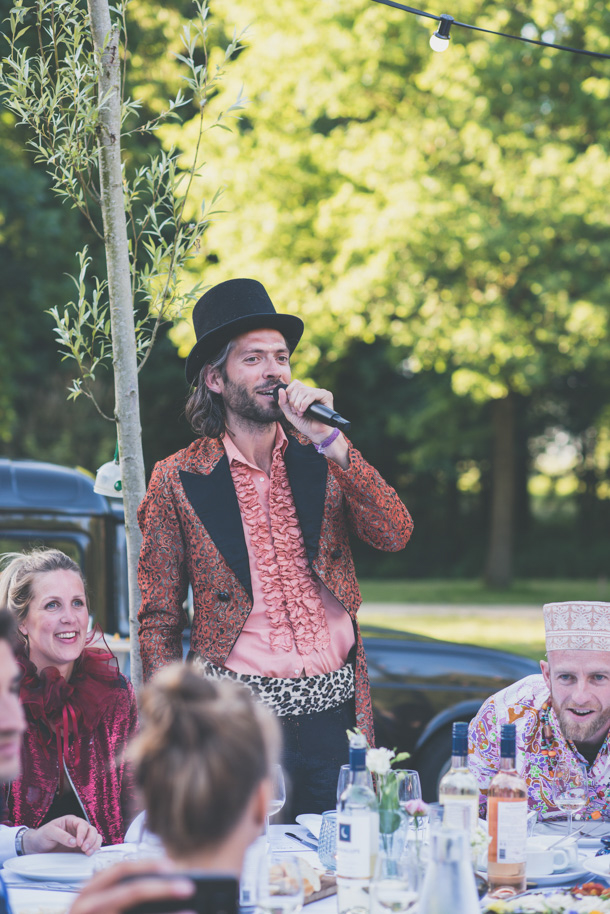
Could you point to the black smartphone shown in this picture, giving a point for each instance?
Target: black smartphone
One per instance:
(213, 895)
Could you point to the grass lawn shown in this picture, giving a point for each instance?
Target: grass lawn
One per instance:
(526, 591)
(518, 630)
(520, 635)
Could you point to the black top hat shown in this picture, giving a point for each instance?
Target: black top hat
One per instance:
(229, 309)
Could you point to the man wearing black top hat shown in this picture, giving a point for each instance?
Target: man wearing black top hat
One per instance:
(255, 515)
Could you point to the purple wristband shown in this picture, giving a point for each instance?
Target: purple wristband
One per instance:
(320, 448)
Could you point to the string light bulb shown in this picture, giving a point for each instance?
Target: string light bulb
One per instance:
(439, 41)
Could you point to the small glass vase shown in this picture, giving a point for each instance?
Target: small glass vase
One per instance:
(392, 832)
(416, 855)
(393, 821)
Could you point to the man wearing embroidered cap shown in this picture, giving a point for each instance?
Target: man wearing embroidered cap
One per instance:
(255, 515)
(561, 715)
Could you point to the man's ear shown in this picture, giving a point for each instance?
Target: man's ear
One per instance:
(546, 673)
(212, 378)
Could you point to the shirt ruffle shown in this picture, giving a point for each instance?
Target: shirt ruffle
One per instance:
(292, 599)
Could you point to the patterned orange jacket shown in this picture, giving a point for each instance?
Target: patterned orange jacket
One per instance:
(193, 533)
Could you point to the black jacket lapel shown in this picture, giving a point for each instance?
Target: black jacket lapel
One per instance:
(214, 500)
(307, 472)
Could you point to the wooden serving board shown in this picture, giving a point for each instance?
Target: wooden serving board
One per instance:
(328, 887)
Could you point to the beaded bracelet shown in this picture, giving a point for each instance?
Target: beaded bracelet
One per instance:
(320, 448)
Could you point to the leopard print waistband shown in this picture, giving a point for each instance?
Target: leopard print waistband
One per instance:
(294, 697)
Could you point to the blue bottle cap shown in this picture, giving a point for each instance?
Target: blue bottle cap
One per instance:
(460, 738)
(508, 737)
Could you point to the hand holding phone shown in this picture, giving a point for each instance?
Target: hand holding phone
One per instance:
(212, 894)
(142, 882)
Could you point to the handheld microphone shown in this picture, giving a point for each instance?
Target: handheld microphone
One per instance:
(318, 411)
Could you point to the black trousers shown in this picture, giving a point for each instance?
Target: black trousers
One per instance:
(315, 747)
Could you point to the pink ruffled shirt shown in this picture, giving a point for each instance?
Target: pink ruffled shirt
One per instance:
(296, 626)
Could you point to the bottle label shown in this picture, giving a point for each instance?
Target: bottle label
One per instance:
(460, 812)
(508, 829)
(357, 839)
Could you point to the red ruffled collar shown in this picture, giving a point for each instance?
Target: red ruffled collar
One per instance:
(59, 708)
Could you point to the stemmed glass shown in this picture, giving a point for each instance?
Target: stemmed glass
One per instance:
(343, 780)
(390, 890)
(409, 786)
(278, 794)
(279, 885)
(570, 784)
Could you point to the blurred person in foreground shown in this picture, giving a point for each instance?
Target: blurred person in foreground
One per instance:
(560, 715)
(202, 761)
(80, 710)
(255, 515)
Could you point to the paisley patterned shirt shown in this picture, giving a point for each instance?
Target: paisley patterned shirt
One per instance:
(521, 704)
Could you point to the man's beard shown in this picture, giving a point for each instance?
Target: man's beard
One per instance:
(246, 405)
(583, 731)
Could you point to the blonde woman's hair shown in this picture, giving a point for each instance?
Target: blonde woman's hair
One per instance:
(203, 748)
(19, 571)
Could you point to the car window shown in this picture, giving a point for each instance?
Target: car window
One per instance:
(29, 540)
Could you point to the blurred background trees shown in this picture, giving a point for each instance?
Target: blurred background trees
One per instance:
(439, 222)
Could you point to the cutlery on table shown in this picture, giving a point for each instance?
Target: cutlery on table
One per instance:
(309, 844)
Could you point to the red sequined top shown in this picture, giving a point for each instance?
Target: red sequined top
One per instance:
(77, 729)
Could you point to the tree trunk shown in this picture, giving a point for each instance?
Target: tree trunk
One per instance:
(500, 554)
(127, 408)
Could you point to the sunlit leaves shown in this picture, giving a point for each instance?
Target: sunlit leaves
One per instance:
(49, 82)
(453, 203)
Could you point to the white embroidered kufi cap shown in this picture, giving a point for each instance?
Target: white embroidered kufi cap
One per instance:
(581, 626)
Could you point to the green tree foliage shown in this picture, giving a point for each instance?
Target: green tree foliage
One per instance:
(41, 232)
(452, 204)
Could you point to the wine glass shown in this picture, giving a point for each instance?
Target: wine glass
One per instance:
(390, 890)
(279, 888)
(570, 783)
(409, 788)
(278, 794)
(343, 780)
(278, 790)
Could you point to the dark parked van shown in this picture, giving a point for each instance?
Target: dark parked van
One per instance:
(46, 505)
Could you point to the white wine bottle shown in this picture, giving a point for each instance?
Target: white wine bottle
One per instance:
(507, 819)
(357, 834)
(458, 788)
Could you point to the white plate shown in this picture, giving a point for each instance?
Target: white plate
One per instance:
(51, 867)
(311, 822)
(566, 877)
(598, 865)
(30, 901)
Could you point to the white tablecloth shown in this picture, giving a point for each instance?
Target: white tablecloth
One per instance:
(56, 900)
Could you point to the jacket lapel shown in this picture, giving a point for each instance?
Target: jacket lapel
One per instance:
(214, 500)
(307, 472)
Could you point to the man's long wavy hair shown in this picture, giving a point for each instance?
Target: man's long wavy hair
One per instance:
(205, 409)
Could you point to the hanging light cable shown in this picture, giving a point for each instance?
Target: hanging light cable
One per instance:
(476, 28)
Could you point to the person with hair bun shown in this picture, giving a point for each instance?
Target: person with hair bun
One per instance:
(202, 762)
(80, 710)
